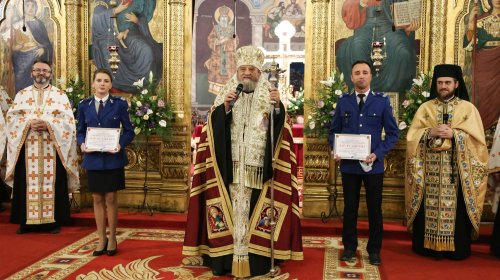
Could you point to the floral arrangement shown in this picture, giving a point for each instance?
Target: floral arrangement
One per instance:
(322, 107)
(149, 112)
(296, 104)
(76, 90)
(414, 97)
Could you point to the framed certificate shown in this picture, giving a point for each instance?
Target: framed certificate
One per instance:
(352, 146)
(102, 139)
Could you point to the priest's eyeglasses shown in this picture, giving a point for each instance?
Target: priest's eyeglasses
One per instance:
(45, 71)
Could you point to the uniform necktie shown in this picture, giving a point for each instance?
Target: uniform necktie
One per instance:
(101, 106)
(361, 101)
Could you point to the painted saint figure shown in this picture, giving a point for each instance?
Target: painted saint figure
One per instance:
(399, 68)
(487, 58)
(30, 45)
(138, 50)
(221, 65)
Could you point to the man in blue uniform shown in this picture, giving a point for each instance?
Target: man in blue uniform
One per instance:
(363, 112)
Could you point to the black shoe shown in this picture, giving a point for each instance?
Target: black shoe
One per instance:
(97, 253)
(22, 230)
(55, 230)
(348, 255)
(114, 251)
(374, 259)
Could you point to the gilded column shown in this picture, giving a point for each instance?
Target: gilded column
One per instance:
(437, 32)
(74, 11)
(176, 154)
(316, 154)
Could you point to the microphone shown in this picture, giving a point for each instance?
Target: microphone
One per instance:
(446, 117)
(239, 89)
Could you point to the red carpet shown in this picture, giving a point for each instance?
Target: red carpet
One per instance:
(155, 254)
(22, 251)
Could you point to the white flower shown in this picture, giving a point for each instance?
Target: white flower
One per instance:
(418, 82)
(406, 103)
(341, 77)
(329, 82)
(321, 104)
(149, 112)
(162, 123)
(402, 125)
(138, 103)
(70, 89)
(139, 83)
(338, 92)
(137, 130)
(150, 77)
(312, 125)
(144, 91)
(426, 93)
(146, 117)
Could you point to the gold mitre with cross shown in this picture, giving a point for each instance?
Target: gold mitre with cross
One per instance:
(250, 55)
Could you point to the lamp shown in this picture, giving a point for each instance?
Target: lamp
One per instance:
(379, 52)
(114, 58)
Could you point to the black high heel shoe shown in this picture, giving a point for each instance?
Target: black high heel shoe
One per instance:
(97, 253)
(114, 251)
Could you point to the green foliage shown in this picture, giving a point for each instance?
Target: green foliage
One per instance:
(76, 90)
(149, 111)
(414, 97)
(322, 106)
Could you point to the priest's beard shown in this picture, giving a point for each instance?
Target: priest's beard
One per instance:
(445, 95)
(248, 85)
(41, 79)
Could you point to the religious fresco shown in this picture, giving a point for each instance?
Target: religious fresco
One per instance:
(374, 23)
(139, 52)
(292, 10)
(215, 39)
(482, 56)
(216, 44)
(21, 43)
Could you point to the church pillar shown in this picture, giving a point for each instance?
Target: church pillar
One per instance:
(73, 53)
(437, 32)
(176, 153)
(317, 67)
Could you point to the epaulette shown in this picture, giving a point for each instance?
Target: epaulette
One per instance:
(86, 99)
(381, 94)
(344, 94)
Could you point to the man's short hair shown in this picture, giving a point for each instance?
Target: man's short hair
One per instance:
(104, 71)
(361, 62)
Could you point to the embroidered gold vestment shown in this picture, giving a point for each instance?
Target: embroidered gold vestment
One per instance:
(435, 168)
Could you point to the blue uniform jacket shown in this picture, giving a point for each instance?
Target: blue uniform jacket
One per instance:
(114, 114)
(375, 115)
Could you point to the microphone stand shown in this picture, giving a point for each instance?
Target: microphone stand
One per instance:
(145, 206)
(274, 71)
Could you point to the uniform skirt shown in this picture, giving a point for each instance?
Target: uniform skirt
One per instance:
(101, 181)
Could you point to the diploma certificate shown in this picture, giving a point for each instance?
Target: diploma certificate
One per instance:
(352, 146)
(102, 139)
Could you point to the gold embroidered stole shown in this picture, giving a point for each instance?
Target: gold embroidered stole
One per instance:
(40, 178)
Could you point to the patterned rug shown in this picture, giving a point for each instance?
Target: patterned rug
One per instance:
(155, 254)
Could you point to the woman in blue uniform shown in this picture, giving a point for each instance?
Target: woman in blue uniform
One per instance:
(105, 170)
